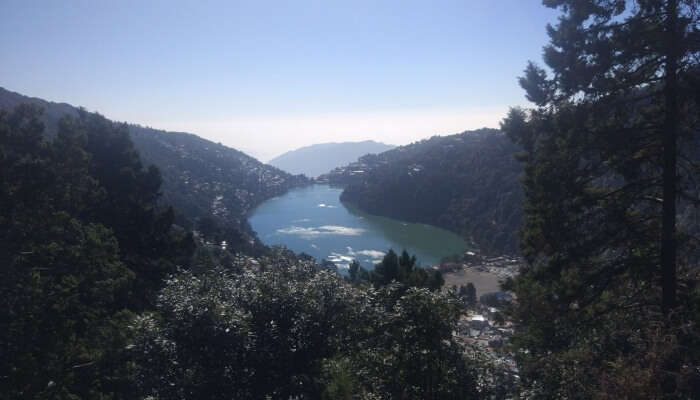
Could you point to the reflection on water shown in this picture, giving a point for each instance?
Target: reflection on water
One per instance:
(314, 221)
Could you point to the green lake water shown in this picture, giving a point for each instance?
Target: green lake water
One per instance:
(314, 221)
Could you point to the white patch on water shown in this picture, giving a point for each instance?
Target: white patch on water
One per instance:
(298, 230)
(312, 232)
(342, 230)
(324, 205)
(374, 256)
(340, 260)
(337, 257)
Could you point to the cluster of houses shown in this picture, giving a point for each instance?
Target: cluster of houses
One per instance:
(483, 330)
(483, 327)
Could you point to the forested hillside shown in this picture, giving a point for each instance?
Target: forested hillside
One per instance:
(211, 184)
(468, 183)
(212, 187)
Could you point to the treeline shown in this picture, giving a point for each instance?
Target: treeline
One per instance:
(394, 268)
(468, 183)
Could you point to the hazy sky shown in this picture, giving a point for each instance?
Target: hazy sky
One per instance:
(270, 76)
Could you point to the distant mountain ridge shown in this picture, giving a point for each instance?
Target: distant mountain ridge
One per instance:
(468, 183)
(318, 159)
(202, 180)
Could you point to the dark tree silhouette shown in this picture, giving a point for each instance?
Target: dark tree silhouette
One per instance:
(611, 150)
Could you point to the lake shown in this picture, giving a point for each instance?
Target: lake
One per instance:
(313, 220)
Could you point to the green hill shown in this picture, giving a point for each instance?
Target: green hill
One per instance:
(468, 183)
(212, 187)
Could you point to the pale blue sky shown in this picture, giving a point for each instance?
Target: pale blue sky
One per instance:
(270, 76)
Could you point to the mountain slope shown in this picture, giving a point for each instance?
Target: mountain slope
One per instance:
(204, 181)
(317, 159)
(467, 183)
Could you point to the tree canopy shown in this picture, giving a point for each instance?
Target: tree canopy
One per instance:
(403, 269)
(285, 328)
(83, 244)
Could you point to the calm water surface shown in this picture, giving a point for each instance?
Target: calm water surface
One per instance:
(314, 221)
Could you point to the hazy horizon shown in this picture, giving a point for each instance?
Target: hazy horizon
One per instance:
(270, 77)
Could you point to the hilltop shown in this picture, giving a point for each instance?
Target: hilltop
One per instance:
(320, 158)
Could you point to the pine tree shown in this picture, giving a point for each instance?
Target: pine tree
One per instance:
(610, 152)
(353, 270)
(469, 294)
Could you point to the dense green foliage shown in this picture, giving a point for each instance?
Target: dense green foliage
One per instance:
(244, 335)
(403, 270)
(467, 183)
(211, 187)
(82, 245)
(611, 149)
(284, 328)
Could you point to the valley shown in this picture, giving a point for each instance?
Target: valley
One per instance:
(350, 200)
